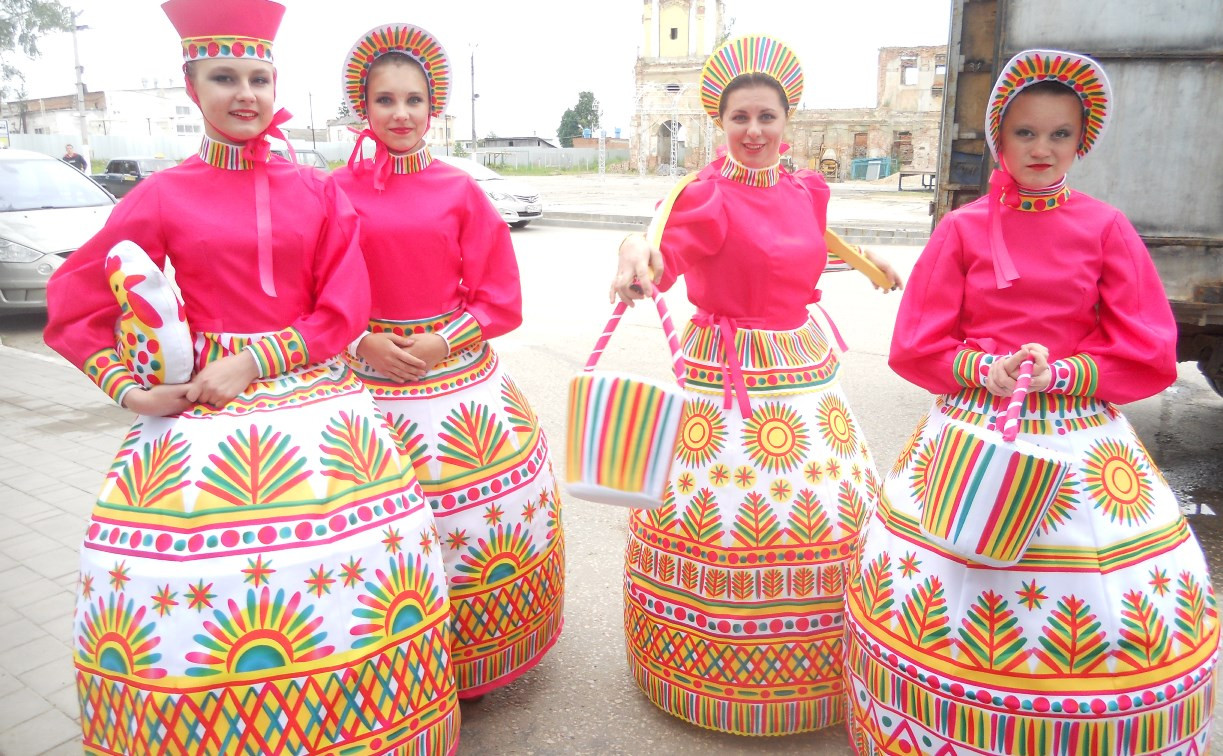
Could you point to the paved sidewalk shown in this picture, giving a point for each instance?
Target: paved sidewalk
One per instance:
(59, 437)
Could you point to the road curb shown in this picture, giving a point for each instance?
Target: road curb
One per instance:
(904, 234)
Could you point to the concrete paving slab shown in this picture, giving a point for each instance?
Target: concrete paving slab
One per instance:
(39, 735)
(32, 654)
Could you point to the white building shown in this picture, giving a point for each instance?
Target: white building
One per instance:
(155, 111)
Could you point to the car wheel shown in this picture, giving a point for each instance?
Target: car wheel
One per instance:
(520, 224)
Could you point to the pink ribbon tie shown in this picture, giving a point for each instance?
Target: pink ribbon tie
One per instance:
(733, 384)
(256, 150)
(1003, 189)
(836, 332)
(382, 158)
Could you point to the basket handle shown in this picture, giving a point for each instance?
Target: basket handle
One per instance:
(668, 329)
(1010, 424)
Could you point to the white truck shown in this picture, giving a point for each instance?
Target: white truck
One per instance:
(1161, 161)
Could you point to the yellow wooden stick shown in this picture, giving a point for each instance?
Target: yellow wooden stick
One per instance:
(855, 259)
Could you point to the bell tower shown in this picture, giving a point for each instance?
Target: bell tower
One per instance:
(674, 28)
(669, 125)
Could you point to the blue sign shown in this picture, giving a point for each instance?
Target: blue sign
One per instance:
(586, 133)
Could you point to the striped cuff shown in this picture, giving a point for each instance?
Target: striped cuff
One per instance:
(110, 374)
(971, 368)
(1074, 376)
(279, 353)
(461, 333)
(836, 264)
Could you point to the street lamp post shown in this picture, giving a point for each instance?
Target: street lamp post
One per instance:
(80, 84)
(475, 148)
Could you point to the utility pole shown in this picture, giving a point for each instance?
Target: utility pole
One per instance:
(313, 144)
(475, 148)
(602, 152)
(80, 84)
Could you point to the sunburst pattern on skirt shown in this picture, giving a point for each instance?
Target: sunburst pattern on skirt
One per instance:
(482, 459)
(1101, 639)
(264, 578)
(734, 588)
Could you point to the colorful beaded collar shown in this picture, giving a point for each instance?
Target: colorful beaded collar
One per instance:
(413, 162)
(222, 155)
(762, 177)
(1049, 198)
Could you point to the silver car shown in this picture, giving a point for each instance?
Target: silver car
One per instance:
(517, 202)
(47, 210)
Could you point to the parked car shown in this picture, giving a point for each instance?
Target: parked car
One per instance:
(305, 157)
(47, 210)
(122, 174)
(517, 202)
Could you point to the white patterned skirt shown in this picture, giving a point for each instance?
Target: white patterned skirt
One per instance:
(483, 461)
(734, 587)
(264, 578)
(1102, 639)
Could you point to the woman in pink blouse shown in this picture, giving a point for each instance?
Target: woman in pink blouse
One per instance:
(253, 579)
(444, 281)
(734, 588)
(1102, 637)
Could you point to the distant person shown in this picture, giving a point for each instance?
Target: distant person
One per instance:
(444, 281)
(74, 159)
(1102, 638)
(734, 588)
(260, 572)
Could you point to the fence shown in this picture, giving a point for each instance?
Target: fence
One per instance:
(548, 157)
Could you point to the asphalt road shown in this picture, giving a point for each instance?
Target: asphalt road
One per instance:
(581, 700)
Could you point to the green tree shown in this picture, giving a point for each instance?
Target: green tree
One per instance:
(584, 115)
(22, 24)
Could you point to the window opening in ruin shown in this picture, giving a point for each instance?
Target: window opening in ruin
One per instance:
(908, 71)
(674, 32)
(903, 147)
(940, 73)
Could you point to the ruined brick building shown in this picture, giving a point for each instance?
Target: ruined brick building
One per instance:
(680, 34)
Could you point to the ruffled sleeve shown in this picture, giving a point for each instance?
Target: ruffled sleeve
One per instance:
(817, 188)
(694, 228)
(81, 308)
(928, 342)
(1131, 353)
(341, 295)
(490, 290)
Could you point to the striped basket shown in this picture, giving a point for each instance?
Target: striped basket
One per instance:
(987, 492)
(622, 429)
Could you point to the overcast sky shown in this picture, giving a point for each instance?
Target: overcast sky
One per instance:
(532, 57)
